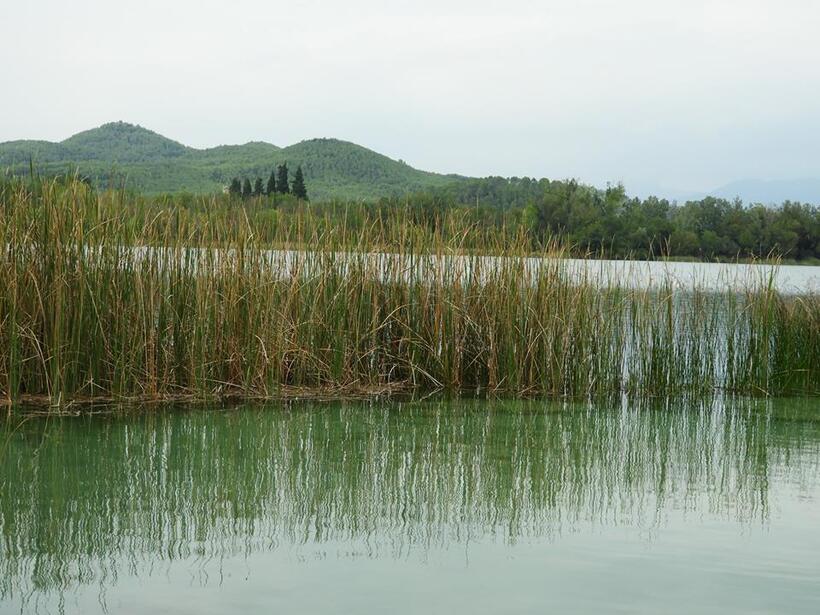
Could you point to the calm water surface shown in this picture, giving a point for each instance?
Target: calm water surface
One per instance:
(715, 277)
(431, 507)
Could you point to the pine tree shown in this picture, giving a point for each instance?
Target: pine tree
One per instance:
(258, 187)
(235, 189)
(298, 188)
(282, 185)
(272, 183)
(246, 188)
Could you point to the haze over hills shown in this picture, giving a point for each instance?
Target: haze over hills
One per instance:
(152, 163)
(750, 191)
(805, 190)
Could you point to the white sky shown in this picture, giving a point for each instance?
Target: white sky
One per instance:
(661, 94)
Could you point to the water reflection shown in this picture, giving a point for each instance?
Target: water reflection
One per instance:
(86, 500)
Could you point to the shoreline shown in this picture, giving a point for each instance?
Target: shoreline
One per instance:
(38, 403)
(42, 405)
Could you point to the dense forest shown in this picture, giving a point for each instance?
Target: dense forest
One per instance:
(607, 221)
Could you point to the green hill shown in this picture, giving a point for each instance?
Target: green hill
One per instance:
(151, 163)
(120, 142)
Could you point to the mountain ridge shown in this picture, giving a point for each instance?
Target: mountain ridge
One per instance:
(118, 153)
(150, 162)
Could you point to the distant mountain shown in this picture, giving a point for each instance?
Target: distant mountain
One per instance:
(120, 142)
(805, 190)
(152, 163)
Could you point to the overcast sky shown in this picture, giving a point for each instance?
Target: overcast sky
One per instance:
(660, 94)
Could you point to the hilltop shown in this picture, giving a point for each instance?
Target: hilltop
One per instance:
(152, 163)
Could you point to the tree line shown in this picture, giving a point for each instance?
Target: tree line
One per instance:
(602, 222)
(709, 228)
(278, 183)
(609, 222)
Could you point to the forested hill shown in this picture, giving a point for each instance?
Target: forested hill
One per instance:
(151, 163)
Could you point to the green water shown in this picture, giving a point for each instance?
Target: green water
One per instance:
(432, 507)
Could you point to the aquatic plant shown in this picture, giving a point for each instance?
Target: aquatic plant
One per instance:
(105, 297)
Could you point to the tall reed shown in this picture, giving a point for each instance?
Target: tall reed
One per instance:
(100, 300)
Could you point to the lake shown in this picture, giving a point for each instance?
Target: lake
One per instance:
(633, 274)
(435, 506)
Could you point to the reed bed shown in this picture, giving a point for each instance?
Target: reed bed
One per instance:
(97, 302)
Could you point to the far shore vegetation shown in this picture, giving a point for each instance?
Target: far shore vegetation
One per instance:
(345, 181)
(115, 296)
(586, 221)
